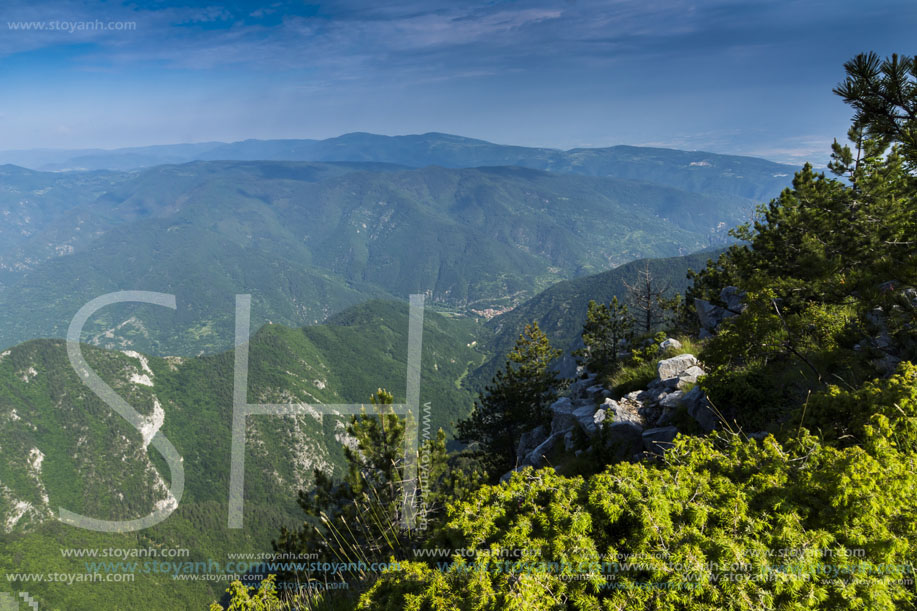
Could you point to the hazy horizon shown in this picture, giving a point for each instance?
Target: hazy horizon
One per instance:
(745, 78)
(9, 152)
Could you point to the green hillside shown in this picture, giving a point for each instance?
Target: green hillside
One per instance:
(60, 446)
(311, 239)
(30, 204)
(765, 462)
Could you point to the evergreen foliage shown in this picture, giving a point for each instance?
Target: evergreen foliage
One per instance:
(360, 517)
(607, 327)
(884, 97)
(794, 520)
(825, 267)
(242, 598)
(724, 523)
(517, 399)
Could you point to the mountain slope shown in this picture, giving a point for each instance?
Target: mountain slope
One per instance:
(310, 239)
(560, 310)
(57, 160)
(30, 202)
(60, 446)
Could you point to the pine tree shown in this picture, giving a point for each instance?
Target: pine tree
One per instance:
(360, 517)
(607, 325)
(516, 399)
(883, 95)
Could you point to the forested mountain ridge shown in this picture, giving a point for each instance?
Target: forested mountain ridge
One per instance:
(31, 202)
(561, 309)
(309, 239)
(686, 170)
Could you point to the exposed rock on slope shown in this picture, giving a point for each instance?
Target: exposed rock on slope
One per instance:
(641, 421)
(711, 315)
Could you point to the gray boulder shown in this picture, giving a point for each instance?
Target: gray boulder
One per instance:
(667, 407)
(589, 419)
(530, 440)
(578, 387)
(562, 418)
(670, 344)
(652, 397)
(623, 411)
(699, 409)
(708, 315)
(662, 385)
(657, 390)
(535, 458)
(689, 376)
(657, 439)
(597, 392)
(672, 400)
(732, 297)
(675, 366)
(562, 404)
(568, 441)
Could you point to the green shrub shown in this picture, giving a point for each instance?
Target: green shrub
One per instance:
(722, 523)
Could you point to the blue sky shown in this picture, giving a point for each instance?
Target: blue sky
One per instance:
(732, 76)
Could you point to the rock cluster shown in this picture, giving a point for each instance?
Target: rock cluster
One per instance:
(639, 422)
(880, 342)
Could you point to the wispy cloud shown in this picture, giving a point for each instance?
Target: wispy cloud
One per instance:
(358, 34)
(716, 74)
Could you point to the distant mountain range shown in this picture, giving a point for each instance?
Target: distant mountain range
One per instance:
(686, 170)
(329, 237)
(309, 239)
